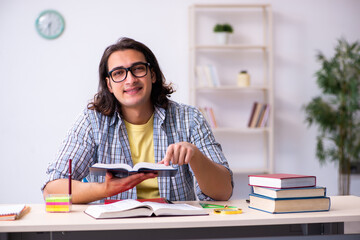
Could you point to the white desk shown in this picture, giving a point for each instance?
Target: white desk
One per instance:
(344, 210)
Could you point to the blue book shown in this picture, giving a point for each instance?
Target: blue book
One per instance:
(289, 205)
(317, 191)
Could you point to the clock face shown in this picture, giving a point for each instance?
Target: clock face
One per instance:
(50, 24)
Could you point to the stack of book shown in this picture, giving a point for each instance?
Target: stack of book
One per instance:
(287, 193)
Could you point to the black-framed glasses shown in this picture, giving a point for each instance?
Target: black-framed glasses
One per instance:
(119, 74)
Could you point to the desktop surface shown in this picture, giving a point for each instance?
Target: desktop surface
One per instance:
(343, 209)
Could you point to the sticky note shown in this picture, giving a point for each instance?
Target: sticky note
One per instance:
(58, 203)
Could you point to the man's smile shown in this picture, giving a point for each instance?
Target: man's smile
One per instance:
(132, 90)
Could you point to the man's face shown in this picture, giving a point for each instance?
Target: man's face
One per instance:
(133, 92)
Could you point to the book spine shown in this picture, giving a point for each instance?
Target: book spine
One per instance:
(252, 114)
(288, 212)
(208, 76)
(265, 117)
(285, 199)
(214, 75)
(261, 115)
(201, 78)
(212, 116)
(256, 115)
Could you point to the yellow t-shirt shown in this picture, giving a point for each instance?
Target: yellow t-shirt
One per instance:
(142, 150)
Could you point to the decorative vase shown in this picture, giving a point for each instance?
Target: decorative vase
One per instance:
(243, 79)
(222, 38)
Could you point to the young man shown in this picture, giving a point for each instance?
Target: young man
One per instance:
(130, 120)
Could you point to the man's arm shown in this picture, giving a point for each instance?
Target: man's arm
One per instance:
(89, 192)
(214, 179)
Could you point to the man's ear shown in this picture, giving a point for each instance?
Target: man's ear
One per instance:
(109, 84)
(153, 76)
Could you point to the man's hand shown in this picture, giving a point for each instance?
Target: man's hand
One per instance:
(92, 191)
(114, 185)
(179, 153)
(214, 179)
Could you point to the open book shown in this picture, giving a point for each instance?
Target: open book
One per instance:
(123, 170)
(134, 208)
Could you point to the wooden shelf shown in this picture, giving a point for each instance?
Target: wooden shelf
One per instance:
(229, 6)
(231, 47)
(251, 50)
(240, 130)
(232, 88)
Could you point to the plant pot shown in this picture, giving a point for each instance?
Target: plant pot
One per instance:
(222, 38)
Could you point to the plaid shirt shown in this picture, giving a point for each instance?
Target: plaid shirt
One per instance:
(96, 138)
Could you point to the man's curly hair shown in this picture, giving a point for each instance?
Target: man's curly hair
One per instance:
(105, 102)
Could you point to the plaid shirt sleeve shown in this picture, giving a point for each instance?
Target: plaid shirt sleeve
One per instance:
(186, 124)
(79, 145)
(203, 138)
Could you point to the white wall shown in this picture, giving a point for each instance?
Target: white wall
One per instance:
(45, 84)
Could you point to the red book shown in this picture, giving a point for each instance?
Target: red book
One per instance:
(282, 180)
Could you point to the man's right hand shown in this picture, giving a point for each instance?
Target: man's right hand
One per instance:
(114, 185)
(93, 191)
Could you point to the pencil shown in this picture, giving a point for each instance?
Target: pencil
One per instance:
(69, 177)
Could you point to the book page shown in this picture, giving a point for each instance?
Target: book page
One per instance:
(112, 166)
(124, 208)
(123, 205)
(175, 209)
(154, 166)
(118, 206)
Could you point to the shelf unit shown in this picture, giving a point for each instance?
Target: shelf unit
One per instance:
(248, 150)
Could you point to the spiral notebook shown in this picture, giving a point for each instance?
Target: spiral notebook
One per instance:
(13, 211)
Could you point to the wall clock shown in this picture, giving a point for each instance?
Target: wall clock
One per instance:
(50, 24)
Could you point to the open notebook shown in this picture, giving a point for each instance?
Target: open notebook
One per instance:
(13, 211)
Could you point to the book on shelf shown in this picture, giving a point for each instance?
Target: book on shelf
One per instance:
(265, 117)
(259, 115)
(289, 205)
(123, 170)
(209, 115)
(212, 117)
(207, 76)
(201, 77)
(282, 180)
(256, 115)
(13, 211)
(316, 191)
(133, 208)
(252, 113)
(214, 75)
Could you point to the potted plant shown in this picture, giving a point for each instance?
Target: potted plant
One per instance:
(337, 111)
(222, 32)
